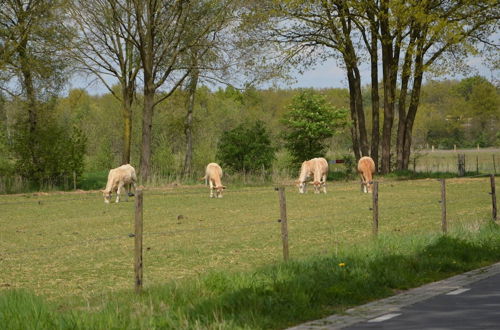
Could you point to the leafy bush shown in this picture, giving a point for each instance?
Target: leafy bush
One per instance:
(310, 121)
(246, 148)
(51, 153)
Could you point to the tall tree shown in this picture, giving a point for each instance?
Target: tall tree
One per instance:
(104, 49)
(440, 33)
(209, 61)
(33, 43)
(312, 31)
(166, 31)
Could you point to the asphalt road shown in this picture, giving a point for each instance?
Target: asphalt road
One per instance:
(466, 301)
(475, 306)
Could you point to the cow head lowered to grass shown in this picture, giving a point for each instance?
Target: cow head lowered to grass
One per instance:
(118, 178)
(366, 169)
(213, 175)
(318, 169)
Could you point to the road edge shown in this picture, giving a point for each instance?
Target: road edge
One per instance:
(394, 303)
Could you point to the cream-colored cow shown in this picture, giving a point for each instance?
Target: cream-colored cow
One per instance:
(213, 175)
(117, 179)
(366, 169)
(318, 169)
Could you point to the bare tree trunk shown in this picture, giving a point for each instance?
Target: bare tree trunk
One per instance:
(402, 120)
(375, 97)
(354, 116)
(127, 125)
(31, 103)
(360, 145)
(388, 114)
(414, 102)
(147, 125)
(188, 128)
(363, 136)
(146, 27)
(386, 69)
(390, 57)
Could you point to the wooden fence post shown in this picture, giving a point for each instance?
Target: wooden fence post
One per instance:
(493, 198)
(477, 164)
(375, 209)
(461, 164)
(284, 222)
(494, 165)
(444, 224)
(138, 240)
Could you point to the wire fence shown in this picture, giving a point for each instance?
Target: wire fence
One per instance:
(305, 221)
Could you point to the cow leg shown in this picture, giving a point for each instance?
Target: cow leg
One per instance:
(118, 192)
(129, 193)
(303, 187)
(363, 184)
(323, 183)
(212, 188)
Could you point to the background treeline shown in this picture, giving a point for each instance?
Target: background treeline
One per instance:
(155, 57)
(463, 113)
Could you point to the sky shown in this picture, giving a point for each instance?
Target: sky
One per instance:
(325, 75)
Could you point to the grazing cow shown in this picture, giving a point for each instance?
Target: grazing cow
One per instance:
(366, 168)
(318, 169)
(117, 179)
(213, 175)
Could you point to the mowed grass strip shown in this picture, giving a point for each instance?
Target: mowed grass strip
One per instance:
(62, 245)
(269, 297)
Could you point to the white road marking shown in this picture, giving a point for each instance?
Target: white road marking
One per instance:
(384, 317)
(457, 291)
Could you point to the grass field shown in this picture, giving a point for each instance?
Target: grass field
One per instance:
(72, 244)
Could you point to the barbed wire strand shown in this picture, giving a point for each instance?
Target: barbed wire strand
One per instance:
(90, 196)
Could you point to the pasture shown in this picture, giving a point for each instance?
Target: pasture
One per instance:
(73, 245)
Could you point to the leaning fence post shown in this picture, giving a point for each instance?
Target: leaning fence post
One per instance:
(284, 222)
(493, 198)
(138, 240)
(375, 209)
(444, 225)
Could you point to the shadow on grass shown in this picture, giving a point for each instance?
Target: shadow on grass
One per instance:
(298, 292)
(270, 298)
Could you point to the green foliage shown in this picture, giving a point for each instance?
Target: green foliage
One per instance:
(246, 148)
(309, 122)
(350, 165)
(445, 134)
(463, 113)
(56, 155)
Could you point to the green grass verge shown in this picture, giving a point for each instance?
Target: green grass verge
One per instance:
(271, 297)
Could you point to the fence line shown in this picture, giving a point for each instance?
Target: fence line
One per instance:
(41, 200)
(174, 232)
